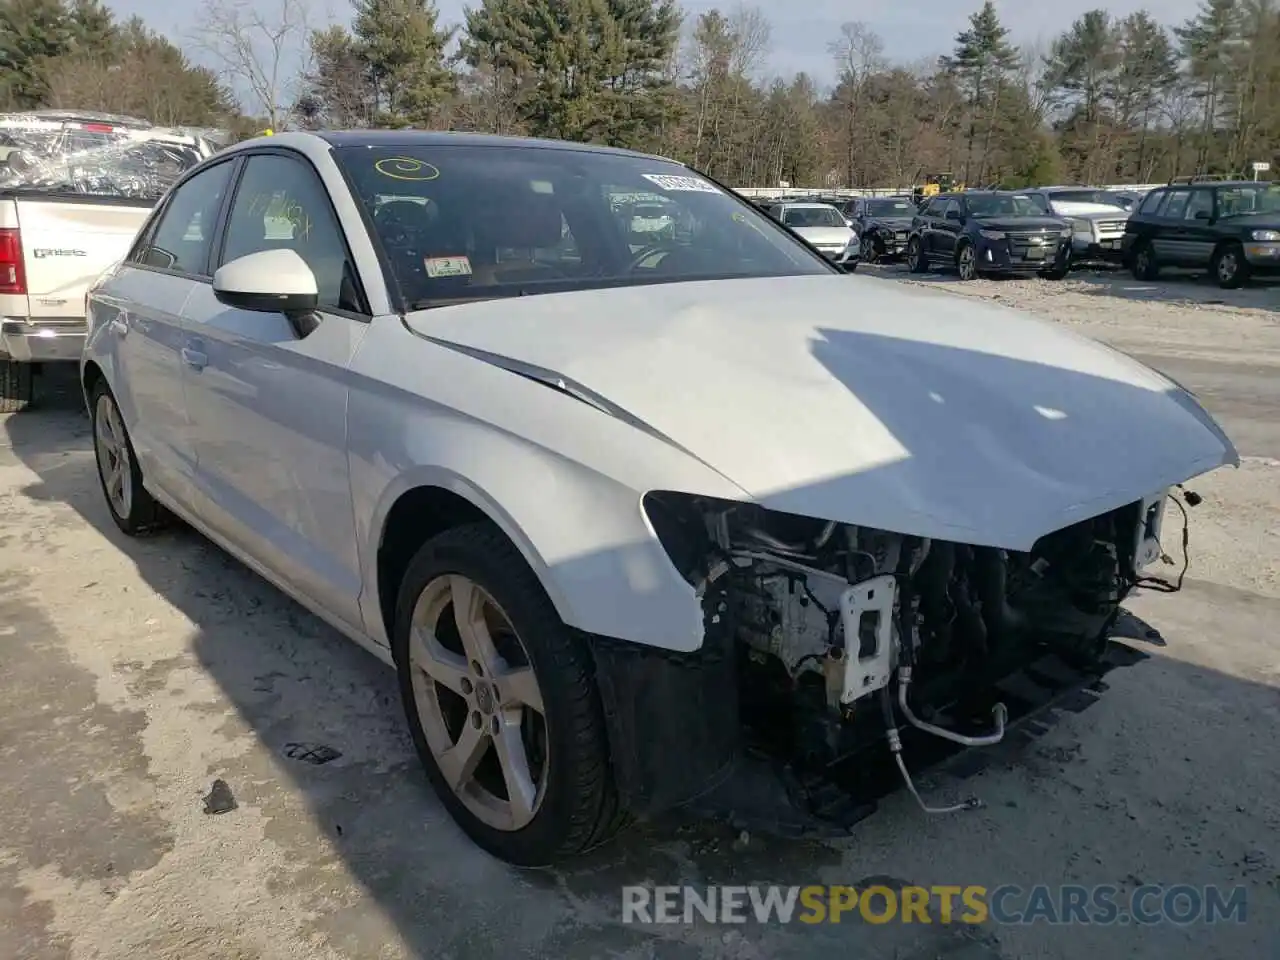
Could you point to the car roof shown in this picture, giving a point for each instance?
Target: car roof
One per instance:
(439, 138)
(809, 204)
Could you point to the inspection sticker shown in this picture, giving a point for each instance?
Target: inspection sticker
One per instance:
(675, 184)
(458, 266)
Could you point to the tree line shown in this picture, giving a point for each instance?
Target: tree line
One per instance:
(1110, 100)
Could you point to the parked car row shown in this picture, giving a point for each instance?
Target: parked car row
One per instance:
(1231, 229)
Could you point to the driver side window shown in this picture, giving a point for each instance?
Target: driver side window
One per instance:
(281, 203)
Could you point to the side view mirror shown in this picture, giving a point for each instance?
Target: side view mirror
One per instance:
(1203, 215)
(953, 215)
(269, 281)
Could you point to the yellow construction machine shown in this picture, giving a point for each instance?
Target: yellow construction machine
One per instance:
(936, 183)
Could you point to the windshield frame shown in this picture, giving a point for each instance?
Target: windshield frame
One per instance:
(807, 260)
(908, 209)
(1083, 195)
(1263, 189)
(1012, 197)
(838, 218)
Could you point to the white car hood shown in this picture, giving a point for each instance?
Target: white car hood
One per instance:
(825, 236)
(864, 401)
(1090, 211)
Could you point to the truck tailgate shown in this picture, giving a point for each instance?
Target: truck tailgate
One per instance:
(67, 243)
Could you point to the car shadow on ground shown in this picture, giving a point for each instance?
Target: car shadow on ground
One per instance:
(1177, 288)
(291, 680)
(1185, 288)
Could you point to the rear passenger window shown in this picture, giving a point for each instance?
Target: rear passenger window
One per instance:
(1201, 206)
(1177, 204)
(1152, 202)
(182, 238)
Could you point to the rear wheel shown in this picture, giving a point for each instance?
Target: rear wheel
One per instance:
(1145, 267)
(16, 389)
(916, 261)
(132, 508)
(501, 702)
(967, 262)
(1230, 269)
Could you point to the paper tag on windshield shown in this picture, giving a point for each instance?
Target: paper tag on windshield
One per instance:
(447, 266)
(674, 184)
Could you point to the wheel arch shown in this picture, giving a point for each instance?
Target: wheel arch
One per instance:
(91, 374)
(608, 576)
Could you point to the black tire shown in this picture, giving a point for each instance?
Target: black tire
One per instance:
(1229, 267)
(1144, 265)
(851, 266)
(966, 261)
(580, 808)
(16, 387)
(144, 516)
(877, 249)
(917, 262)
(1057, 273)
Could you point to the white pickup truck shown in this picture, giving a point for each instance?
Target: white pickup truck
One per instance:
(74, 190)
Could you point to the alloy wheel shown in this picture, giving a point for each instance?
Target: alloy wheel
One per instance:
(112, 447)
(479, 702)
(1228, 266)
(967, 263)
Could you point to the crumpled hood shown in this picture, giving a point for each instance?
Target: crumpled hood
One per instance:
(893, 223)
(865, 401)
(825, 236)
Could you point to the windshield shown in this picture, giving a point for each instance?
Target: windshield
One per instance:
(1237, 201)
(96, 164)
(812, 217)
(464, 223)
(1004, 205)
(890, 208)
(1085, 196)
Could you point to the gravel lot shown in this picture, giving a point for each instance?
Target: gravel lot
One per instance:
(132, 674)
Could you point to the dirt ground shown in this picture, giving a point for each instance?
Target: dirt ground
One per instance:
(133, 674)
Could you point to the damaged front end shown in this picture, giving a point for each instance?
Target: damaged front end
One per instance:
(835, 654)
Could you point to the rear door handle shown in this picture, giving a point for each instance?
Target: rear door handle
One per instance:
(194, 358)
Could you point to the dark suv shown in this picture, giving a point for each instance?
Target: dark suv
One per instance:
(989, 232)
(884, 223)
(1231, 229)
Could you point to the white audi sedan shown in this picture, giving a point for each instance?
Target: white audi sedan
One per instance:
(638, 521)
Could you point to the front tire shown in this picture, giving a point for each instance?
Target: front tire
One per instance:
(1145, 267)
(917, 262)
(16, 387)
(501, 702)
(967, 262)
(132, 508)
(1230, 269)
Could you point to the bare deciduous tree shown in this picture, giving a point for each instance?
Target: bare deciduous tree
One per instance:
(257, 47)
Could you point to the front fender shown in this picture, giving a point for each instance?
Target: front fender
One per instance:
(563, 481)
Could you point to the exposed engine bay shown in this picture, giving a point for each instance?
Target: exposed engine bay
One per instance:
(844, 634)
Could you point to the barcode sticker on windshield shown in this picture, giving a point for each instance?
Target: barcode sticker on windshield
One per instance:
(458, 266)
(674, 184)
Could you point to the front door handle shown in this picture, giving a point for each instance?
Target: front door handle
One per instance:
(194, 358)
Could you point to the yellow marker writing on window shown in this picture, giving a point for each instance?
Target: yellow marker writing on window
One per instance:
(406, 168)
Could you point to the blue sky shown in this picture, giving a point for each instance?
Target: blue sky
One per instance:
(911, 29)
